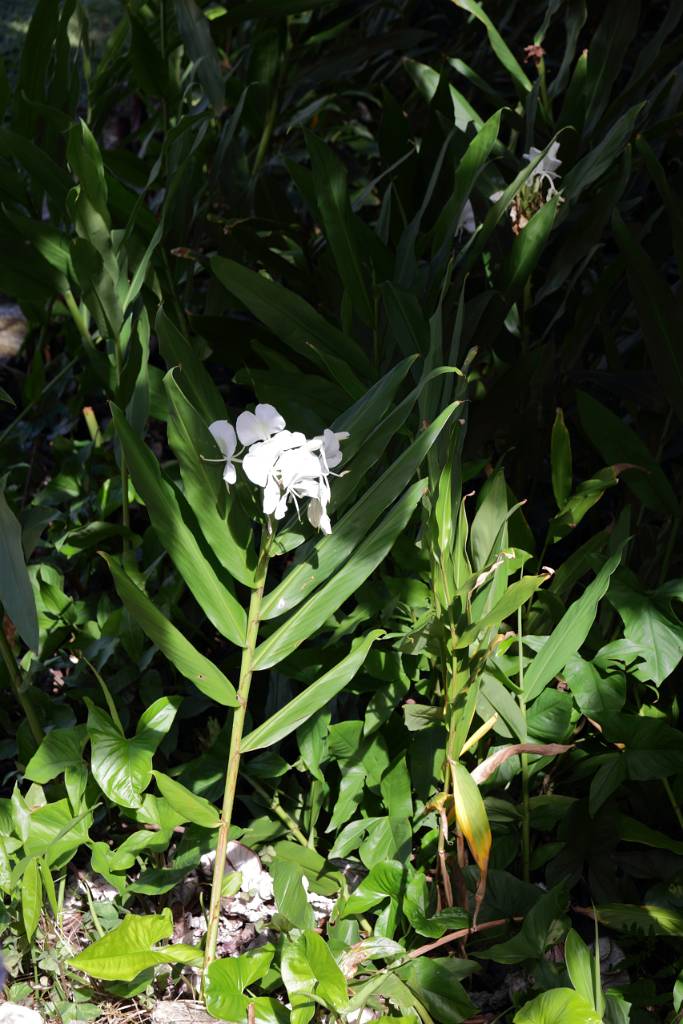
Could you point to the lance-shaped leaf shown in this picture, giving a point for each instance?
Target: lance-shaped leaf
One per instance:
(364, 415)
(515, 596)
(526, 249)
(659, 312)
(170, 516)
(473, 822)
(311, 616)
(131, 948)
(570, 632)
(193, 808)
(329, 177)
(180, 652)
(191, 374)
(312, 699)
(16, 593)
(331, 551)
(618, 442)
(373, 445)
(498, 44)
(469, 167)
(561, 460)
(201, 49)
(292, 319)
(31, 891)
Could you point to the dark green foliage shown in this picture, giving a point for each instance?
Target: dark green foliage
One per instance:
(464, 723)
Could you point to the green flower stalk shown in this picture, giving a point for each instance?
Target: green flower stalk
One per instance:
(239, 716)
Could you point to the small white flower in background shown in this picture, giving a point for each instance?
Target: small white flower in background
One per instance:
(538, 189)
(466, 222)
(548, 167)
(286, 464)
(223, 434)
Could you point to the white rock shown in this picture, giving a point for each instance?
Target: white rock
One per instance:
(13, 1013)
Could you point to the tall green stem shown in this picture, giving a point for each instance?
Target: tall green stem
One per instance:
(246, 671)
(15, 683)
(524, 758)
(123, 466)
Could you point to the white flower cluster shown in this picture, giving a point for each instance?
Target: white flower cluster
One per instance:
(546, 170)
(285, 463)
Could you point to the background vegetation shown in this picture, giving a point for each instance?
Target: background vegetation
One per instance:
(463, 768)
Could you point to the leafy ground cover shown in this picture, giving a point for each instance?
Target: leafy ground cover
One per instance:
(405, 278)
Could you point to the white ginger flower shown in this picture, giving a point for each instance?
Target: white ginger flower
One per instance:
(548, 167)
(545, 172)
(284, 463)
(223, 434)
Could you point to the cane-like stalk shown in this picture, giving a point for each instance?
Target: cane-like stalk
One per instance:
(246, 671)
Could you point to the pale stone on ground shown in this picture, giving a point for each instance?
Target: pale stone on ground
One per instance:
(13, 1013)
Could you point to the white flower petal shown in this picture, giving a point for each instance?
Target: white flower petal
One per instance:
(317, 516)
(271, 497)
(229, 473)
(281, 510)
(223, 434)
(297, 464)
(259, 425)
(331, 448)
(258, 464)
(466, 221)
(549, 165)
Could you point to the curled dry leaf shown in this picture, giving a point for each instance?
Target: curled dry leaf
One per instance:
(486, 769)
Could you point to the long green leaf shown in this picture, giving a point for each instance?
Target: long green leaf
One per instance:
(193, 808)
(476, 155)
(292, 319)
(312, 615)
(659, 312)
(201, 49)
(312, 699)
(570, 632)
(16, 593)
(170, 515)
(617, 443)
(329, 177)
(171, 642)
(527, 248)
(498, 44)
(515, 596)
(371, 447)
(193, 377)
